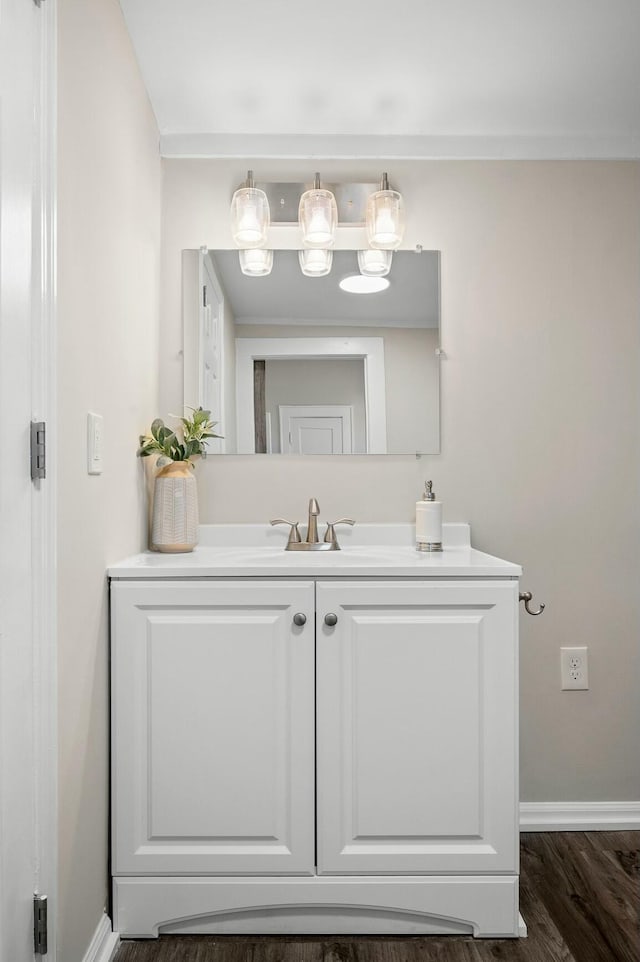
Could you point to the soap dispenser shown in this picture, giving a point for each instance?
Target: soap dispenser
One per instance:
(429, 521)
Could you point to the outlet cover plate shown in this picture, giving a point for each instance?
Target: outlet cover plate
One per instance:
(574, 669)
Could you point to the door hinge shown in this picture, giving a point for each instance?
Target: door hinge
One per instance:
(204, 295)
(38, 450)
(40, 924)
(37, 2)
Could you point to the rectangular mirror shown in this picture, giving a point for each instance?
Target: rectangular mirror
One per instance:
(291, 364)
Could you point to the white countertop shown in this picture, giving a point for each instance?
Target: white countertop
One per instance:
(367, 551)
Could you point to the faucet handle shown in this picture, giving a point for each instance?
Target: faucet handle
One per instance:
(330, 534)
(294, 534)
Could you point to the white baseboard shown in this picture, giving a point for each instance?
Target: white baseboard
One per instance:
(579, 816)
(104, 944)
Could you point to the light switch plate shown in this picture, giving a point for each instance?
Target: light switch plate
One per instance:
(94, 443)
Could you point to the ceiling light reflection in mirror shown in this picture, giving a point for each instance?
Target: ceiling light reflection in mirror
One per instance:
(315, 262)
(363, 284)
(375, 263)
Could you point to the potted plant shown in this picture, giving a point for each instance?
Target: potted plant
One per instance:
(174, 525)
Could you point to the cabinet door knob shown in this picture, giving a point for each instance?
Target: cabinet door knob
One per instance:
(299, 619)
(330, 620)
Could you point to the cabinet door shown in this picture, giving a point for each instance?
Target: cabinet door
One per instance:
(213, 728)
(417, 728)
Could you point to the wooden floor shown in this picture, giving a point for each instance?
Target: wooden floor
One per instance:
(579, 895)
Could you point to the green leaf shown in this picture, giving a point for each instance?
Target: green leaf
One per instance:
(191, 448)
(147, 446)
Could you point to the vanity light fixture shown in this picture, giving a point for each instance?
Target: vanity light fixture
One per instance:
(363, 284)
(249, 215)
(318, 216)
(385, 217)
(374, 263)
(256, 261)
(315, 262)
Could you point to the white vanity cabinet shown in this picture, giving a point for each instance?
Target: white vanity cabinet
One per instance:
(312, 753)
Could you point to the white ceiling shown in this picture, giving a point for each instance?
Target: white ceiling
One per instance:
(416, 78)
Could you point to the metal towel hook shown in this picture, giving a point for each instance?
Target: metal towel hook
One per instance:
(526, 596)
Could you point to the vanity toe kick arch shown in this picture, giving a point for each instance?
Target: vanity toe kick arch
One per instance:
(486, 907)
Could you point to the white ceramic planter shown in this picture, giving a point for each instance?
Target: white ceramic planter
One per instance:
(175, 509)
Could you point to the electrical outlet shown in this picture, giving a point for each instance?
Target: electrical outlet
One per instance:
(574, 669)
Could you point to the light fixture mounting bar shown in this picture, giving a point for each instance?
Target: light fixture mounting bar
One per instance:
(284, 200)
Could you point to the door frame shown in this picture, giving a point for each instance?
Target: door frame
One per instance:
(42, 581)
(369, 349)
(44, 540)
(198, 271)
(208, 277)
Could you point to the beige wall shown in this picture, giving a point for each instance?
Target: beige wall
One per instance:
(108, 280)
(540, 303)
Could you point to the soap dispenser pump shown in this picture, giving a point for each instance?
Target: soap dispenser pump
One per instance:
(429, 521)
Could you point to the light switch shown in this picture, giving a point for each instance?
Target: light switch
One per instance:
(94, 443)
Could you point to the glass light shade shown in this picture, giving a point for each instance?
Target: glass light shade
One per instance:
(363, 284)
(385, 219)
(318, 217)
(249, 217)
(315, 262)
(374, 263)
(256, 262)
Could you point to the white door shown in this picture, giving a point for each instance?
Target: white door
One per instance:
(23, 716)
(211, 363)
(316, 428)
(213, 728)
(417, 728)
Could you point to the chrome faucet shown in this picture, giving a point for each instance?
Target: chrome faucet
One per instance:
(312, 542)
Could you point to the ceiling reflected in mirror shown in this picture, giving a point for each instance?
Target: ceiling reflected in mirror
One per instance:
(286, 295)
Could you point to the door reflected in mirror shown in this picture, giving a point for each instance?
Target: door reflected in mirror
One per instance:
(291, 364)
